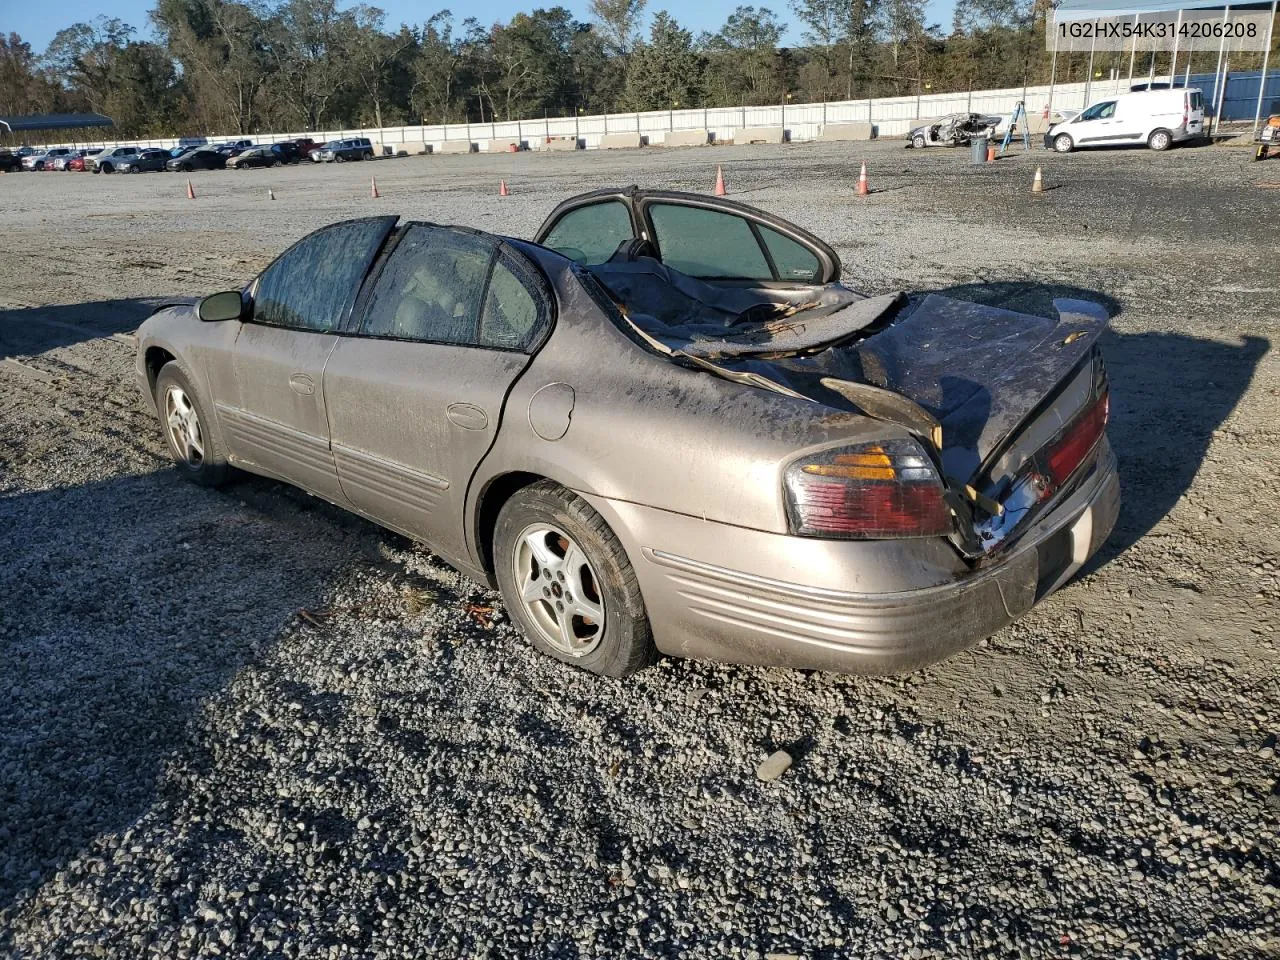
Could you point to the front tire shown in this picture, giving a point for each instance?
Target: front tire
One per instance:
(568, 584)
(1062, 143)
(918, 141)
(1160, 140)
(189, 429)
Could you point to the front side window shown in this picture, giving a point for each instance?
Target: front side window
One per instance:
(312, 285)
(591, 234)
(456, 287)
(1099, 111)
(708, 243)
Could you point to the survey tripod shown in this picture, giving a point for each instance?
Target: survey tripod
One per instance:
(1019, 112)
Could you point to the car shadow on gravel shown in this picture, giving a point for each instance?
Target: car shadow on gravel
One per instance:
(124, 605)
(30, 330)
(1169, 393)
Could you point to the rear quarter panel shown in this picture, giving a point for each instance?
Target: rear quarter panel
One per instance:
(647, 431)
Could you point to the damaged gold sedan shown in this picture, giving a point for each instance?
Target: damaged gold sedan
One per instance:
(665, 426)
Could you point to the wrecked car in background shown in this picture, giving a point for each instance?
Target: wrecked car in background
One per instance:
(665, 426)
(954, 130)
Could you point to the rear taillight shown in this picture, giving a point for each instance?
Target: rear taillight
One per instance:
(879, 490)
(1066, 453)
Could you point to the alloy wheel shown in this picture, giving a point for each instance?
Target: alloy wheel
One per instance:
(184, 427)
(559, 589)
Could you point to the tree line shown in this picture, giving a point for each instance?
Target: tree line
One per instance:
(244, 66)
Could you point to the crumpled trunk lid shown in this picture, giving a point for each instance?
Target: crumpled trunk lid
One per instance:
(981, 371)
(988, 389)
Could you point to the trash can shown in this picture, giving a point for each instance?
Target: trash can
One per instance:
(978, 149)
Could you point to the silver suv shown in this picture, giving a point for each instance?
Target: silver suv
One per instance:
(340, 151)
(109, 159)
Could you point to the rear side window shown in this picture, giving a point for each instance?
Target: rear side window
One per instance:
(451, 286)
(708, 243)
(511, 316)
(313, 284)
(795, 262)
(431, 288)
(591, 234)
(1197, 102)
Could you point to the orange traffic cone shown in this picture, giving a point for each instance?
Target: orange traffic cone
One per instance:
(191, 191)
(373, 188)
(1037, 185)
(502, 189)
(863, 190)
(720, 189)
(991, 153)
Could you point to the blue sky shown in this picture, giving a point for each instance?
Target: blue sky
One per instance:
(37, 22)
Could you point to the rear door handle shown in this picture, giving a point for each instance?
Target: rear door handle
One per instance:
(467, 415)
(302, 384)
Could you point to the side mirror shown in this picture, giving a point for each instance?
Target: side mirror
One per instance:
(222, 306)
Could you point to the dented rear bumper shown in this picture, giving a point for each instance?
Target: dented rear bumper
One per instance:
(710, 607)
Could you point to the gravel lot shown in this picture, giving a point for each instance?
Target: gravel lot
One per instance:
(243, 723)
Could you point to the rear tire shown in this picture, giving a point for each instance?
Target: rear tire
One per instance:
(190, 431)
(1160, 140)
(548, 544)
(1062, 143)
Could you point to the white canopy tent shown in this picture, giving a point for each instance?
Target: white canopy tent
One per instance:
(1076, 11)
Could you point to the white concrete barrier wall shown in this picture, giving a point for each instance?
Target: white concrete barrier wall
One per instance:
(685, 138)
(621, 141)
(503, 145)
(892, 116)
(759, 135)
(836, 132)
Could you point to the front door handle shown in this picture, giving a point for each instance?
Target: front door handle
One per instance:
(467, 415)
(302, 384)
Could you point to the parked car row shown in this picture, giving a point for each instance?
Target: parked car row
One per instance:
(189, 155)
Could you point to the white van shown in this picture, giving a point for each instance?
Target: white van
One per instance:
(1158, 118)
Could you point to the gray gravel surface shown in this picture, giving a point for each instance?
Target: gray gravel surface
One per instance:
(245, 724)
